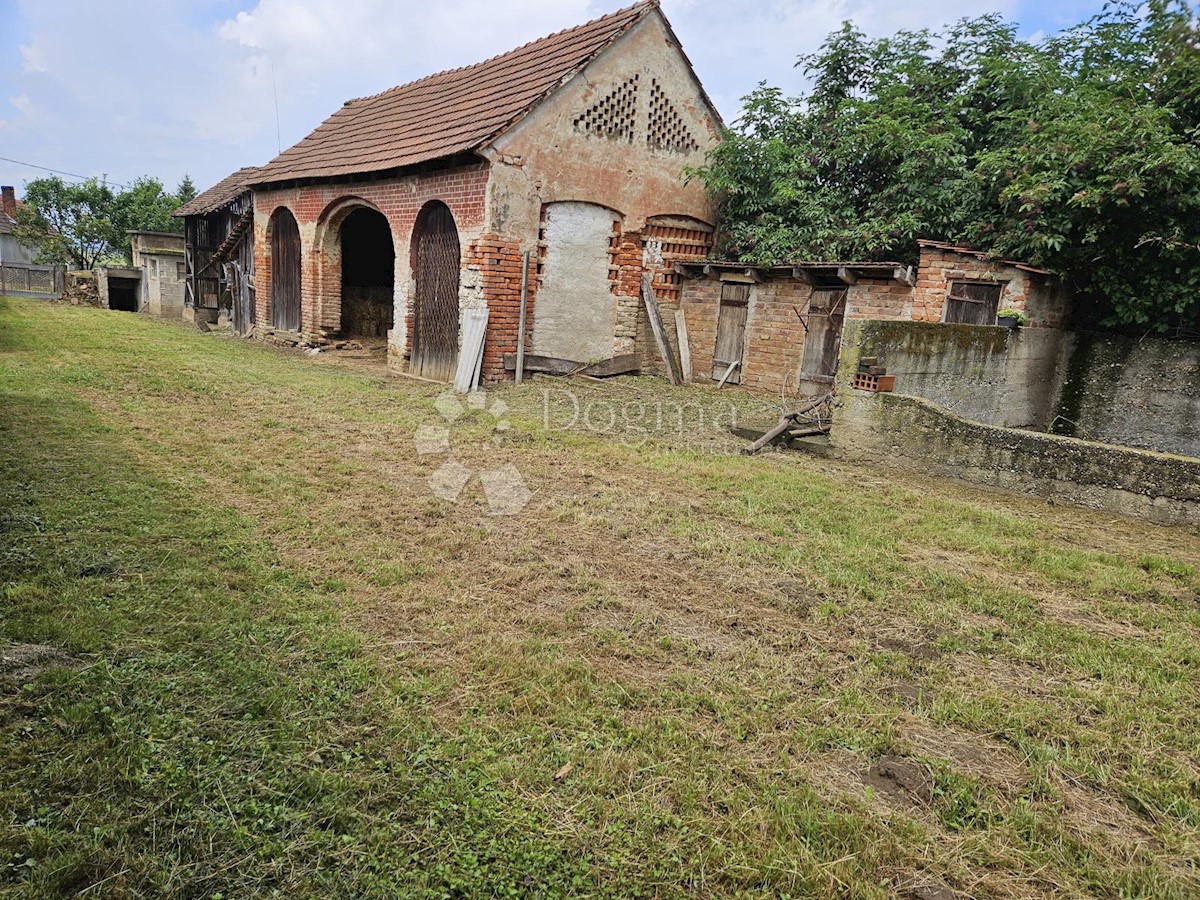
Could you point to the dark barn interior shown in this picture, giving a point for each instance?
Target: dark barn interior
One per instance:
(368, 274)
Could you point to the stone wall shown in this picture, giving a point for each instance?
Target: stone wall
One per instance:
(911, 433)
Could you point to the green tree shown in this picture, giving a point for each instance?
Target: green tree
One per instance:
(1079, 153)
(65, 223)
(186, 192)
(86, 223)
(143, 206)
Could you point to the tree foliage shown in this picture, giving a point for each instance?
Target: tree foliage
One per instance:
(85, 223)
(1079, 153)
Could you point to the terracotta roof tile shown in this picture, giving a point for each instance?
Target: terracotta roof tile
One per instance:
(224, 191)
(448, 113)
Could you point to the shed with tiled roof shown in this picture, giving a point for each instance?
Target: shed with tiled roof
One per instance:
(219, 252)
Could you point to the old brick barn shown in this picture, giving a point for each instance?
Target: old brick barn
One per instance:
(406, 209)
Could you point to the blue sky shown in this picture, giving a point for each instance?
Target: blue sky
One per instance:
(163, 87)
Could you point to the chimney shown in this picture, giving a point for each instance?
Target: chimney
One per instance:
(10, 201)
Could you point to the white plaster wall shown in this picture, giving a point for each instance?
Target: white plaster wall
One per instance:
(575, 311)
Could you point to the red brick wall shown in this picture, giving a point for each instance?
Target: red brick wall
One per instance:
(879, 298)
(700, 300)
(1036, 294)
(498, 263)
(399, 199)
(775, 334)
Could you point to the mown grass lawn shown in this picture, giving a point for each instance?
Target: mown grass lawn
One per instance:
(298, 673)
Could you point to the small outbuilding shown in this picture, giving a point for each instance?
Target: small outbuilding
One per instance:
(159, 256)
(219, 252)
(778, 328)
(407, 209)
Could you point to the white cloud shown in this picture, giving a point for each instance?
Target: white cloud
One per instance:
(22, 104)
(33, 59)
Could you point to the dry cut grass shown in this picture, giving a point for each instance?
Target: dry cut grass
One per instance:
(676, 671)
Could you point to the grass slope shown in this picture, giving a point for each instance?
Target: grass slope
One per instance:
(304, 675)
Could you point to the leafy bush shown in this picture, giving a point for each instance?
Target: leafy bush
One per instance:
(1078, 153)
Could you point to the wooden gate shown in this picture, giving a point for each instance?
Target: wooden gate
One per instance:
(731, 331)
(435, 313)
(285, 271)
(822, 341)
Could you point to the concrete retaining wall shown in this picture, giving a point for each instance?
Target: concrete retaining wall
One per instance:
(1111, 389)
(984, 373)
(914, 433)
(1139, 393)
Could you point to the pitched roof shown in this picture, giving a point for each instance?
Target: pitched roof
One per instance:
(224, 191)
(448, 113)
(7, 222)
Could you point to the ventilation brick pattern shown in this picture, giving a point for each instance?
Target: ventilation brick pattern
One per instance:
(667, 130)
(614, 115)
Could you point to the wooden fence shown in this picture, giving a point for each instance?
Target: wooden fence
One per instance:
(20, 280)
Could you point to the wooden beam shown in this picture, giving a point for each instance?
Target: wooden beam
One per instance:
(754, 275)
(800, 274)
(656, 325)
(685, 348)
(846, 276)
(728, 372)
(905, 274)
(551, 365)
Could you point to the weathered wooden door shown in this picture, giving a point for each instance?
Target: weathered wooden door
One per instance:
(435, 318)
(822, 341)
(285, 271)
(731, 331)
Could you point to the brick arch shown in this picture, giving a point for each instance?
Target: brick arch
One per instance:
(327, 248)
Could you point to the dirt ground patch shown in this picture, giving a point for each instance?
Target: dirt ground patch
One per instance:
(23, 662)
(901, 779)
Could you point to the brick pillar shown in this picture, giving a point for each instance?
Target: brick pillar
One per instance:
(498, 261)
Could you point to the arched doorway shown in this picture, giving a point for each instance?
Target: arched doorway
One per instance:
(368, 273)
(435, 262)
(285, 270)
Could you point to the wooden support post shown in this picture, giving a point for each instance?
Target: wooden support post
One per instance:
(520, 375)
(685, 349)
(656, 325)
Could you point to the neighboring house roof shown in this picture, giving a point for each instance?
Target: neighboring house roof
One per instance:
(7, 222)
(452, 112)
(967, 250)
(220, 194)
